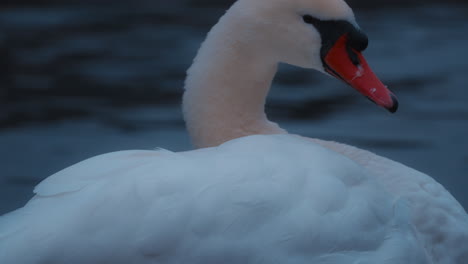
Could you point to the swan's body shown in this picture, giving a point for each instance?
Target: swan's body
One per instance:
(271, 198)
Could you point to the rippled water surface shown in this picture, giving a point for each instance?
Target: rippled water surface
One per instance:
(81, 81)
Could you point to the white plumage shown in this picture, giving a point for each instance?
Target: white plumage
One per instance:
(275, 198)
(247, 206)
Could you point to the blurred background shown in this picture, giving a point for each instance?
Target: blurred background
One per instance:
(80, 78)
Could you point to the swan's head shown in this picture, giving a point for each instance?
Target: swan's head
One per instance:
(319, 34)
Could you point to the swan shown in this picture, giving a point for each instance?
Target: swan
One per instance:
(251, 192)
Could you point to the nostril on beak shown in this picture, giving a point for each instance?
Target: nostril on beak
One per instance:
(353, 56)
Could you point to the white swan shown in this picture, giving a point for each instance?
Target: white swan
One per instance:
(274, 198)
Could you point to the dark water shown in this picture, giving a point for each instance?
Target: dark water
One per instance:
(81, 80)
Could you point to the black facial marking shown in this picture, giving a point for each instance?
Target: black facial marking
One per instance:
(332, 30)
(310, 19)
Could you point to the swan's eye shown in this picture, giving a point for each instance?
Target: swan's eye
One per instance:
(310, 19)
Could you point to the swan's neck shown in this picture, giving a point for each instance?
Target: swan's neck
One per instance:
(226, 89)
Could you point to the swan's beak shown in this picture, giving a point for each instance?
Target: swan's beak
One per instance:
(350, 66)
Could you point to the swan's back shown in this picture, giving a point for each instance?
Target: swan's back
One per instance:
(259, 199)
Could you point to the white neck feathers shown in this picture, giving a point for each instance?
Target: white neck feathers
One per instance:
(226, 88)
